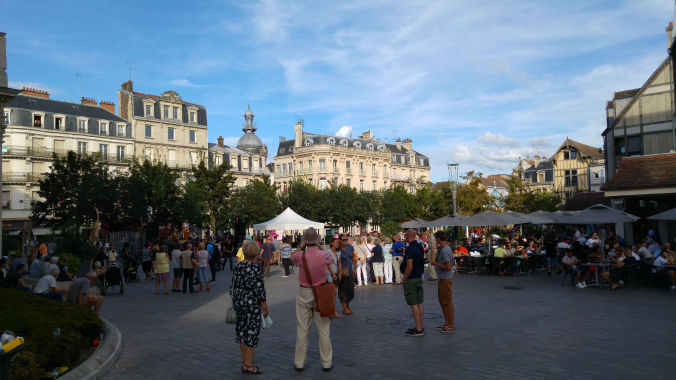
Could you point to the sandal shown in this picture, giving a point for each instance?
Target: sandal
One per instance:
(252, 369)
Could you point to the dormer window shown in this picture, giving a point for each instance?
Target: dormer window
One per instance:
(369, 146)
(82, 125)
(58, 123)
(357, 144)
(308, 142)
(331, 141)
(37, 121)
(381, 148)
(343, 143)
(103, 128)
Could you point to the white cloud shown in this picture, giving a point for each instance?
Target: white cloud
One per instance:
(497, 139)
(344, 131)
(182, 82)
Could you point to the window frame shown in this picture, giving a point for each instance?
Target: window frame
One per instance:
(171, 134)
(148, 131)
(103, 128)
(121, 127)
(192, 136)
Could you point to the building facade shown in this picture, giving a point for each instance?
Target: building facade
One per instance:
(573, 168)
(166, 128)
(363, 163)
(248, 160)
(39, 127)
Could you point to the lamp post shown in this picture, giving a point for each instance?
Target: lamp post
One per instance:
(453, 183)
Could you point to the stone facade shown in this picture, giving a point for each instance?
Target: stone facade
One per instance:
(363, 163)
(166, 128)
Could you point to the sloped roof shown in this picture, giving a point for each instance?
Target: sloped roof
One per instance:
(61, 107)
(652, 171)
(635, 96)
(585, 149)
(626, 94)
(494, 180)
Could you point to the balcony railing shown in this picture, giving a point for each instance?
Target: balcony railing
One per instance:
(348, 170)
(41, 152)
(21, 177)
(362, 172)
(400, 177)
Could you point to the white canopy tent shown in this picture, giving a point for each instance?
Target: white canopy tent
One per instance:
(288, 220)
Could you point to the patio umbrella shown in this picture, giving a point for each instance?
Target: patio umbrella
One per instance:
(527, 218)
(490, 218)
(600, 214)
(414, 223)
(448, 221)
(666, 215)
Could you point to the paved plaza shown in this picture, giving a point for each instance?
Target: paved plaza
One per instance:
(515, 327)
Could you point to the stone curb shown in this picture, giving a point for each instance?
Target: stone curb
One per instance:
(98, 364)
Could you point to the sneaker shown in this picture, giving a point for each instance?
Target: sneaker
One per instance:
(441, 327)
(447, 329)
(580, 285)
(410, 331)
(418, 333)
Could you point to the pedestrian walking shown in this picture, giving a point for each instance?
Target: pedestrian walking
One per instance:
(286, 255)
(161, 269)
(378, 261)
(202, 266)
(268, 252)
(316, 261)
(147, 261)
(188, 263)
(228, 253)
(397, 256)
(445, 264)
(346, 281)
(249, 301)
(387, 262)
(178, 270)
(213, 258)
(412, 280)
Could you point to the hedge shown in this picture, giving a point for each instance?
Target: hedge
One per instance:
(35, 318)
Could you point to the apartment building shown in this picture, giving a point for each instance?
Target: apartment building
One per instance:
(364, 163)
(165, 127)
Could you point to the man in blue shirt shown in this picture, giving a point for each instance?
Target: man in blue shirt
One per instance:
(412, 280)
(346, 282)
(213, 260)
(397, 251)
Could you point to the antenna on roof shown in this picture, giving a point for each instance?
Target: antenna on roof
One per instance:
(130, 71)
(79, 76)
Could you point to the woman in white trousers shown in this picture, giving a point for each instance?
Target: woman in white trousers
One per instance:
(362, 253)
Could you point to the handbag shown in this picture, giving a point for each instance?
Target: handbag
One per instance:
(230, 313)
(325, 299)
(265, 321)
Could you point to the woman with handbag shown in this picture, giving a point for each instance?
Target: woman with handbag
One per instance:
(248, 299)
(311, 276)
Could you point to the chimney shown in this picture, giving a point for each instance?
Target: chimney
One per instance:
(35, 92)
(670, 36)
(407, 144)
(128, 86)
(282, 139)
(537, 160)
(298, 131)
(398, 143)
(3, 61)
(108, 106)
(220, 141)
(88, 101)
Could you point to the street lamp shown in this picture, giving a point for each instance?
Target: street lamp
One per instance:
(453, 183)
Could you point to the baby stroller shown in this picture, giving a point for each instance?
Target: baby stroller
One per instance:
(114, 278)
(130, 270)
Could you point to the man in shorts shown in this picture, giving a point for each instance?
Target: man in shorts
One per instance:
(78, 293)
(412, 280)
(444, 264)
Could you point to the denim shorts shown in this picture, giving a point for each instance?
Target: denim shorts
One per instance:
(202, 273)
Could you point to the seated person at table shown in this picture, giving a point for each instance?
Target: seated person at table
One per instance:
(658, 266)
(510, 250)
(572, 262)
(14, 279)
(620, 261)
(461, 250)
(645, 253)
(46, 286)
(594, 240)
(79, 293)
(500, 253)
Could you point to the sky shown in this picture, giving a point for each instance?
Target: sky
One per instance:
(479, 83)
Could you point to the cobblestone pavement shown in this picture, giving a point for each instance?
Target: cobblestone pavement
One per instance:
(534, 329)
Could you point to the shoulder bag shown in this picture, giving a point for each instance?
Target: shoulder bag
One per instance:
(230, 313)
(325, 298)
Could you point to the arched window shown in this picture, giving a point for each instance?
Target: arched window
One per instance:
(308, 142)
(381, 148)
(331, 141)
(343, 143)
(369, 146)
(357, 145)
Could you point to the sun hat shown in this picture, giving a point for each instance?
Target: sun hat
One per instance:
(310, 236)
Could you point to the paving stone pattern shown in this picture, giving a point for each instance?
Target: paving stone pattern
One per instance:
(534, 329)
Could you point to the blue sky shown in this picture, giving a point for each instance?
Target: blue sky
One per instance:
(475, 82)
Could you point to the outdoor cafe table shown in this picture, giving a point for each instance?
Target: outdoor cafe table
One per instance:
(600, 267)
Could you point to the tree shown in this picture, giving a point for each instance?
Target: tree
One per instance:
(257, 201)
(398, 204)
(216, 185)
(76, 184)
(472, 197)
(424, 198)
(302, 198)
(523, 199)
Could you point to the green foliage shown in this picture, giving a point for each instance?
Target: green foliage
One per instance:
(73, 241)
(216, 186)
(472, 198)
(25, 367)
(302, 197)
(34, 318)
(389, 228)
(398, 204)
(152, 194)
(75, 185)
(256, 202)
(523, 199)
